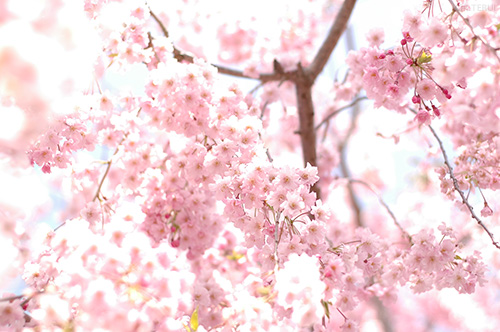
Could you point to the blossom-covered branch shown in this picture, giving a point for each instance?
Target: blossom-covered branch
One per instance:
(460, 192)
(184, 57)
(467, 22)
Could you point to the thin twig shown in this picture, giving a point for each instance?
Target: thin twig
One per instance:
(27, 298)
(334, 113)
(11, 298)
(102, 180)
(96, 196)
(384, 204)
(466, 21)
(346, 173)
(460, 192)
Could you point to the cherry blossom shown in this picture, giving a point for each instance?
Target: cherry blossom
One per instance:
(197, 201)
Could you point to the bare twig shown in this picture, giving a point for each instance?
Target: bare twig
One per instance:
(334, 113)
(460, 192)
(346, 173)
(331, 40)
(384, 204)
(11, 298)
(26, 298)
(96, 196)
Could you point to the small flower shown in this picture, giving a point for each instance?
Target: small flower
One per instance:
(435, 33)
(486, 211)
(91, 212)
(426, 89)
(423, 117)
(375, 37)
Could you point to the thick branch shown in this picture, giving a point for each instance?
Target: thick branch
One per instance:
(303, 88)
(331, 40)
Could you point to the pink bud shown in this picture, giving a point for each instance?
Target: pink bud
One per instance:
(409, 61)
(416, 99)
(175, 243)
(436, 110)
(46, 168)
(381, 56)
(403, 42)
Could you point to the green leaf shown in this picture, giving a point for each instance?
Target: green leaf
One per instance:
(424, 58)
(194, 320)
(326, 307)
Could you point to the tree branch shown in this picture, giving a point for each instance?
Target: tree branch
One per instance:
(466, 21)
(331, 40)
(334, 113)
(384, 204)
(460, 192)
(303, 88)
(355, 205)
(184, 57)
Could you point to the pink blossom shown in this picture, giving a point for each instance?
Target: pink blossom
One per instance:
(375, 37)
(435, 33)
(11, 315)
(91, 213)
(426, 89)
(196, 207)
(486, 211)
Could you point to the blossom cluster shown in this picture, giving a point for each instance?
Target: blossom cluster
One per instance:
(188, 224)
(55, 147)
(389, 75)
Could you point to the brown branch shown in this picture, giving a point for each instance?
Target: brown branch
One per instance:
(160, 23)
(303, 88)
(303, 78)
(460, 192)
(332, 39)
(184, 57)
